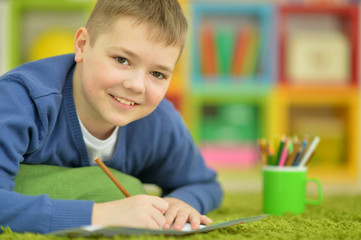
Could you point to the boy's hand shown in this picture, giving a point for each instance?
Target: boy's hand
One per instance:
(180, 212)
(138, 211)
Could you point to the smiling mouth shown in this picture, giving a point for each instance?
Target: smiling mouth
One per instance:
(122, 100)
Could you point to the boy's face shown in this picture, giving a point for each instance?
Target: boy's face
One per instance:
(122, 77)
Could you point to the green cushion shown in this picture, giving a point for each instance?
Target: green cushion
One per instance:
(85, 183)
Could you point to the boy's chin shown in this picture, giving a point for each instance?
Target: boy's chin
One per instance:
(126, 121)
(126, 118)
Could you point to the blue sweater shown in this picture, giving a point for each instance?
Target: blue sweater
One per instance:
(39, 125)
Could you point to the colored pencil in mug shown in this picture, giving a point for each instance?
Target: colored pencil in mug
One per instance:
(300, 153)
(270, 155)
(309, 151)
(280, 149)
(292, 156)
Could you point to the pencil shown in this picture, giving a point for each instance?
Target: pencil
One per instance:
(291, 158)
(266, 152)
(276, 145)
(309, 151)
(291, 150)
(270, 156)
(283, 156)
(112, 177)
(260, 148)
(310, 157)
(280, 149)
(300, 153)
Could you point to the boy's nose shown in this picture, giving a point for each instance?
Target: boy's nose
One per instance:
(136, 83)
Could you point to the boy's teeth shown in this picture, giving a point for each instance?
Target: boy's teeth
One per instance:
(121, 100)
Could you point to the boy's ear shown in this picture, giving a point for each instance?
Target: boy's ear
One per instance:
(81, 40)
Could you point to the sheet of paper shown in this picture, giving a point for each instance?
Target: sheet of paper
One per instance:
(111, 231)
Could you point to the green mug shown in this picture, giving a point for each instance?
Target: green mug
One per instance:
(284, 190)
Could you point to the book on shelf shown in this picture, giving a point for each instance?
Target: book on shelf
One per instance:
(229, 51)
(225, 48)
(241, 45)
(250, 65)
(208, 54)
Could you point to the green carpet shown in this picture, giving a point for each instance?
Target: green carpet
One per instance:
(338, 217)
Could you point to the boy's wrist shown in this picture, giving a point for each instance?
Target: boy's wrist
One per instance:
(70, 213)
(97, 209)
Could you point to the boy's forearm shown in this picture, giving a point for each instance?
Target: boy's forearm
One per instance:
(40, 214)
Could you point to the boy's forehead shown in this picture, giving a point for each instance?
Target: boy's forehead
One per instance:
(127, 36)
(152, 32)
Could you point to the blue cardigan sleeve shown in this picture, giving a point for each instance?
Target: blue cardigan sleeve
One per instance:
(21, 132)
(41, 214)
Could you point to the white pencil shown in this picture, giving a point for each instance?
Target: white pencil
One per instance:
(309, 151)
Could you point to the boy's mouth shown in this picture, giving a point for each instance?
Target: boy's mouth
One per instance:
(124, 101)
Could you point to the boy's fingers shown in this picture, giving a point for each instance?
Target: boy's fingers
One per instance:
(194, 219)
(159, 204)
(170, 216)
(205, 220)
(159, 219)
(180, 220)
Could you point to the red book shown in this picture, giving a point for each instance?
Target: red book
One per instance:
(208, 51)
(242, 43)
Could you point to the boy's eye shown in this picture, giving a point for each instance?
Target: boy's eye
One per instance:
(157, 75)
(122, 60)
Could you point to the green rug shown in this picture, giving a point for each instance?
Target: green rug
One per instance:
(338, 217)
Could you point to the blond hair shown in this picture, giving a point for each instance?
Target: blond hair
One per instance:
(165, 18)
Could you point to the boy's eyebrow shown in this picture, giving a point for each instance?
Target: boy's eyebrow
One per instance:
(164, 68)
(130, 53)
(134, 55)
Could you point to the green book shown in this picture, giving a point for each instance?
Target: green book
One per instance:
(225, 40)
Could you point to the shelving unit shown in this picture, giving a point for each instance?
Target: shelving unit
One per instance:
(231, 79)
(229, 49)
(227, 127)
(40, 28)
(315, 93)
(319, 44)
(332, 114)
(318, 93)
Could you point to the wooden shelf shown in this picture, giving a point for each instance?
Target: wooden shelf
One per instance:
(344, 19)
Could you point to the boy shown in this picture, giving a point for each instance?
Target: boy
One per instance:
(106, 101)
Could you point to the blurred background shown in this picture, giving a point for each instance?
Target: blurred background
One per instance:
(250, 70)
